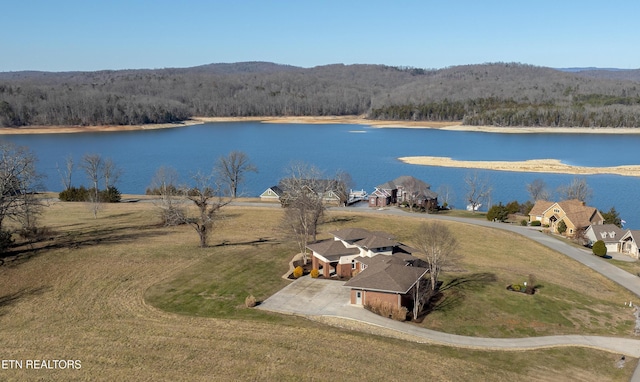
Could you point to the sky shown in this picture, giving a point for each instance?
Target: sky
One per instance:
(89, 35)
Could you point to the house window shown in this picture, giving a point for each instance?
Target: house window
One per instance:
(353, 264)
(363, 266)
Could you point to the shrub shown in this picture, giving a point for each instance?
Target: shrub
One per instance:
(497, 212)
(34, 234)
(531, 284)
(73, 194)
(387, 310)
(298, 272)
(250, 301)
(110, 195)
(400, 314)
(562, 227)
(536, 223)
(315, 273)
(6, 240)
(81, 194)
(523, 222)
(599, 248)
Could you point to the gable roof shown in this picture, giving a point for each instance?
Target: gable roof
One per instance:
(578, 213)
(609, 233)
(633, 234)
(275, 189)
(390, 185)
(539, 207)
(332, 250)
(364, 238)
(387, 274)
(404, 179)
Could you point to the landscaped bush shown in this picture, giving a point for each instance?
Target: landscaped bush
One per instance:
(314, 273)
(536, 223)
(298, 272)
(400, 314)
(599, 248)
(523, 222)
(250, 301)
(386, 309)
(528, 288)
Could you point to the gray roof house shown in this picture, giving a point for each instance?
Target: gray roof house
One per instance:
(609, 233)
(389, 279)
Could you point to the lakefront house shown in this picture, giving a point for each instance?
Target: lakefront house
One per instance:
(379, 267)
(575, 214)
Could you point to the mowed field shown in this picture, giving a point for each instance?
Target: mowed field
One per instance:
(133, 300)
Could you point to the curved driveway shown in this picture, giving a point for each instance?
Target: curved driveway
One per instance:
(314, 297)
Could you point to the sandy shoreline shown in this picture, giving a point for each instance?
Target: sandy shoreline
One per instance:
(534, 165)
(356, 120)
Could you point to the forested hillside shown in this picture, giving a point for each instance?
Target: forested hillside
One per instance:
(502, 94)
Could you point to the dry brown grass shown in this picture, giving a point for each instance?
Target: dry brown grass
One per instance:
(84, 300)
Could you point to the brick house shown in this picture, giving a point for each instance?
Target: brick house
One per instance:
(381, 268)
(404, 189)
(336, 257)
(389, 279)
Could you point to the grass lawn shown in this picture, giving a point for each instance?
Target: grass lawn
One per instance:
(136, 301)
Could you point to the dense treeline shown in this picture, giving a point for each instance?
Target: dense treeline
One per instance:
(489, 94)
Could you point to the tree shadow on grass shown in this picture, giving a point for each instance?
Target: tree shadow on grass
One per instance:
(257, 242)
(12, 298)
(471, 281)
(450, 295)
(341, 219)
(78, 239)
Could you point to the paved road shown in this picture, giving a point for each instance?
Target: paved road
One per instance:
(315, 297)
(319, 297)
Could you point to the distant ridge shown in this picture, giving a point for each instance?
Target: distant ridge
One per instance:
(243, 67)
(606, 73)
(591, 68)
(500, 94)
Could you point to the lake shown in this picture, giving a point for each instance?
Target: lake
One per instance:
(369, 154)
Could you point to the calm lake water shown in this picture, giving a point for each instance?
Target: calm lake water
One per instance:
(368, 154)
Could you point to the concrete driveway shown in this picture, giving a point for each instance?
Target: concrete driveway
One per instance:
(308, 296)
(318, 297)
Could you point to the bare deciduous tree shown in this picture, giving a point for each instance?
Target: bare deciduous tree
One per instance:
(206, 196)
(538, 190)
(111, 173)
(65, 175)
(437, 244)
(304, 192)
(478, 190)
(93, 167)
(99, 169)
(19, 180)
(577, 189)
(165, 184)
(446, 195)
(232, 168)
(343, 183)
